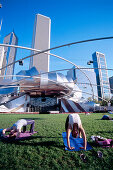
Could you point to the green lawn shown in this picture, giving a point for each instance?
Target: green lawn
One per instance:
(46, 150)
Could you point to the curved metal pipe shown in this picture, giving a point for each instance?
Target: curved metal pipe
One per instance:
(43, 51)
(48, 54)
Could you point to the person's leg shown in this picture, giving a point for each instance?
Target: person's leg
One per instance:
(32, 123)
(24, 128)
(110, 118)
(32, 127)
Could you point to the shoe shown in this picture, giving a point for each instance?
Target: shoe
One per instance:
(100, 154)
(83, 158)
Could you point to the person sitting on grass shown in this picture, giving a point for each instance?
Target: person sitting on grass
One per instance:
(15, 130)
(106, 117)
(73, 124)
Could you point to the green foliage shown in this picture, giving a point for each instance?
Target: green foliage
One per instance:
(89, 99)
(104, 102)
(111, 102)
(45, 150)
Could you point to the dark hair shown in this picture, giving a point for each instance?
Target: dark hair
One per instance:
(66, 123)
(76, 124)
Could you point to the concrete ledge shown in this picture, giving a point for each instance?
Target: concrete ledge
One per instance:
(54, 112)
(39, 113)
(19, 112)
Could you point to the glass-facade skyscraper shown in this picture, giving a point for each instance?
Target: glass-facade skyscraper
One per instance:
(100, 68)
(1, 57)
(111, 84)
(9, 55)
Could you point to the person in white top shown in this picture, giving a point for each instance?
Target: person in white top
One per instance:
(15, 130)
(73, 124)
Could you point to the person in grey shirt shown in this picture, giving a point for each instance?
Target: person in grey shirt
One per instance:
(15, 129)
(73, 124)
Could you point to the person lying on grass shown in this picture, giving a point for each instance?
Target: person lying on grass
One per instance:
(73, 124)
(15, 130)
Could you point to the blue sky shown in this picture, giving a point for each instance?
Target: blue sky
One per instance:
(71, 20)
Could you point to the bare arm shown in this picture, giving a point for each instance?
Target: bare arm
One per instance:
(68, 135)
(18, 133)
(6, 130)
(84, 138)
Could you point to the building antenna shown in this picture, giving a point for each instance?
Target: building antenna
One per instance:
(0, 4)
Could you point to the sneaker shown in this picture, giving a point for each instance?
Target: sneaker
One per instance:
(100, 154)
(83, 158)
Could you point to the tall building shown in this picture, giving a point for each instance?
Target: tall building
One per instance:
(1, 56)
(9, 55)
(100, 67)
(111, 84)
(41, 41)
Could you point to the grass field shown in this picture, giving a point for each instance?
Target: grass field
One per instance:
(46, 150)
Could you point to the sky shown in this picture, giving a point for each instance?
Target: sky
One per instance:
(71, 20)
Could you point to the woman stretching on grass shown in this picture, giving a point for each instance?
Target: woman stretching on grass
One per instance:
(73, 124)
(15, 130)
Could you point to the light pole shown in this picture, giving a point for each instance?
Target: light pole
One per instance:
(89, 63)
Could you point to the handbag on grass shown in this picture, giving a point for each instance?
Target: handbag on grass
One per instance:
(101, 141)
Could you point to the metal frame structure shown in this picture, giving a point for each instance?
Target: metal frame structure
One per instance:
(46, 50)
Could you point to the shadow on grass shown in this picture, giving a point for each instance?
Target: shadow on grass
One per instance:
(93, 144)
(104, 119)
(32, 118)
(103, 132)
(48, 144)
(22, 141)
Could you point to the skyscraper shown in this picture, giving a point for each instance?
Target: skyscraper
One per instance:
(111, 84)
(41, 41)
(100, 68)
(1, 56)
(9, 55)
